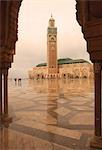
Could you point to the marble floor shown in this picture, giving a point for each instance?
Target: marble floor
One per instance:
(49, 115)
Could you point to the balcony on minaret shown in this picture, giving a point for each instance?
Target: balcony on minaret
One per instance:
(51, 22)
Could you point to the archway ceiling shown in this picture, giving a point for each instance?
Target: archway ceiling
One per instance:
(8, 31)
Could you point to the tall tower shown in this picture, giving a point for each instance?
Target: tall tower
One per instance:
(52, 47)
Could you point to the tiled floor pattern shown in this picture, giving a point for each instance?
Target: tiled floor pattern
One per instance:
(49, 115)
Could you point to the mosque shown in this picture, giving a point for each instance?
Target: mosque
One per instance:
(47, 133)
(59, 68)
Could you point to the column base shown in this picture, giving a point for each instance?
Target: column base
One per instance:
(96, 142)
(6, 119)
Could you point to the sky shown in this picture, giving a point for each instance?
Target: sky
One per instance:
(31, 47)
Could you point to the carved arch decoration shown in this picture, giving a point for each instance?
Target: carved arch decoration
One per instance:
(8, 31)
(84, 72)
(89, 16)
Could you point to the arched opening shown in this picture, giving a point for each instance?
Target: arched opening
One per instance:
(77, 77)
(42, 77)
(85, 77)
(56, 110)
(76, 73)
(38, 76)
(64, 75)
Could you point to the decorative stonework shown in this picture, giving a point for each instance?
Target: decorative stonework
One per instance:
(52, 47)
(89, 16)
(8, 30)
(78, 70)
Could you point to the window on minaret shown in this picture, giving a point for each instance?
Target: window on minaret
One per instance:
(52, 39)
(52, 23)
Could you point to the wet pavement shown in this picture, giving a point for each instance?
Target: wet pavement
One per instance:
(49, 115)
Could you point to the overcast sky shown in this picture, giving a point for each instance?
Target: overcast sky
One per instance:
(31, 47)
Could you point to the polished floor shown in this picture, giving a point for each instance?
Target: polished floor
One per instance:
(49, 115)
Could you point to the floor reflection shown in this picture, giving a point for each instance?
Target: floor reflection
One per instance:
(58, 112)
(63, 84)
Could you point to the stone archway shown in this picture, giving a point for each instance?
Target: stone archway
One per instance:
(89, 16)
(8, 36)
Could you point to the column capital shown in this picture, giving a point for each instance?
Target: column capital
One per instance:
(5, 71)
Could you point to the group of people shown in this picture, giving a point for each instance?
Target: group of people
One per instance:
(17, 80)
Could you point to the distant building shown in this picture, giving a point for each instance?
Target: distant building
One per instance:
(67, 68)
(61, 68)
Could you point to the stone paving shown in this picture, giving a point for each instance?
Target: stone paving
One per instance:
(49, 115)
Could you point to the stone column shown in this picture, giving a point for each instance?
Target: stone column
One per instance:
(0, 93)
(6, 93)
(97, 141)
(97, 69)
(5, 119)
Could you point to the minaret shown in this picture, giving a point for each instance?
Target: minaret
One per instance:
(52, 47)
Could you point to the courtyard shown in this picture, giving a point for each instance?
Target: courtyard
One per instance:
(55, 114)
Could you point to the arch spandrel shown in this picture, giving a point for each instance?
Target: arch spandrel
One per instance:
(89, 16)
(8, 29)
